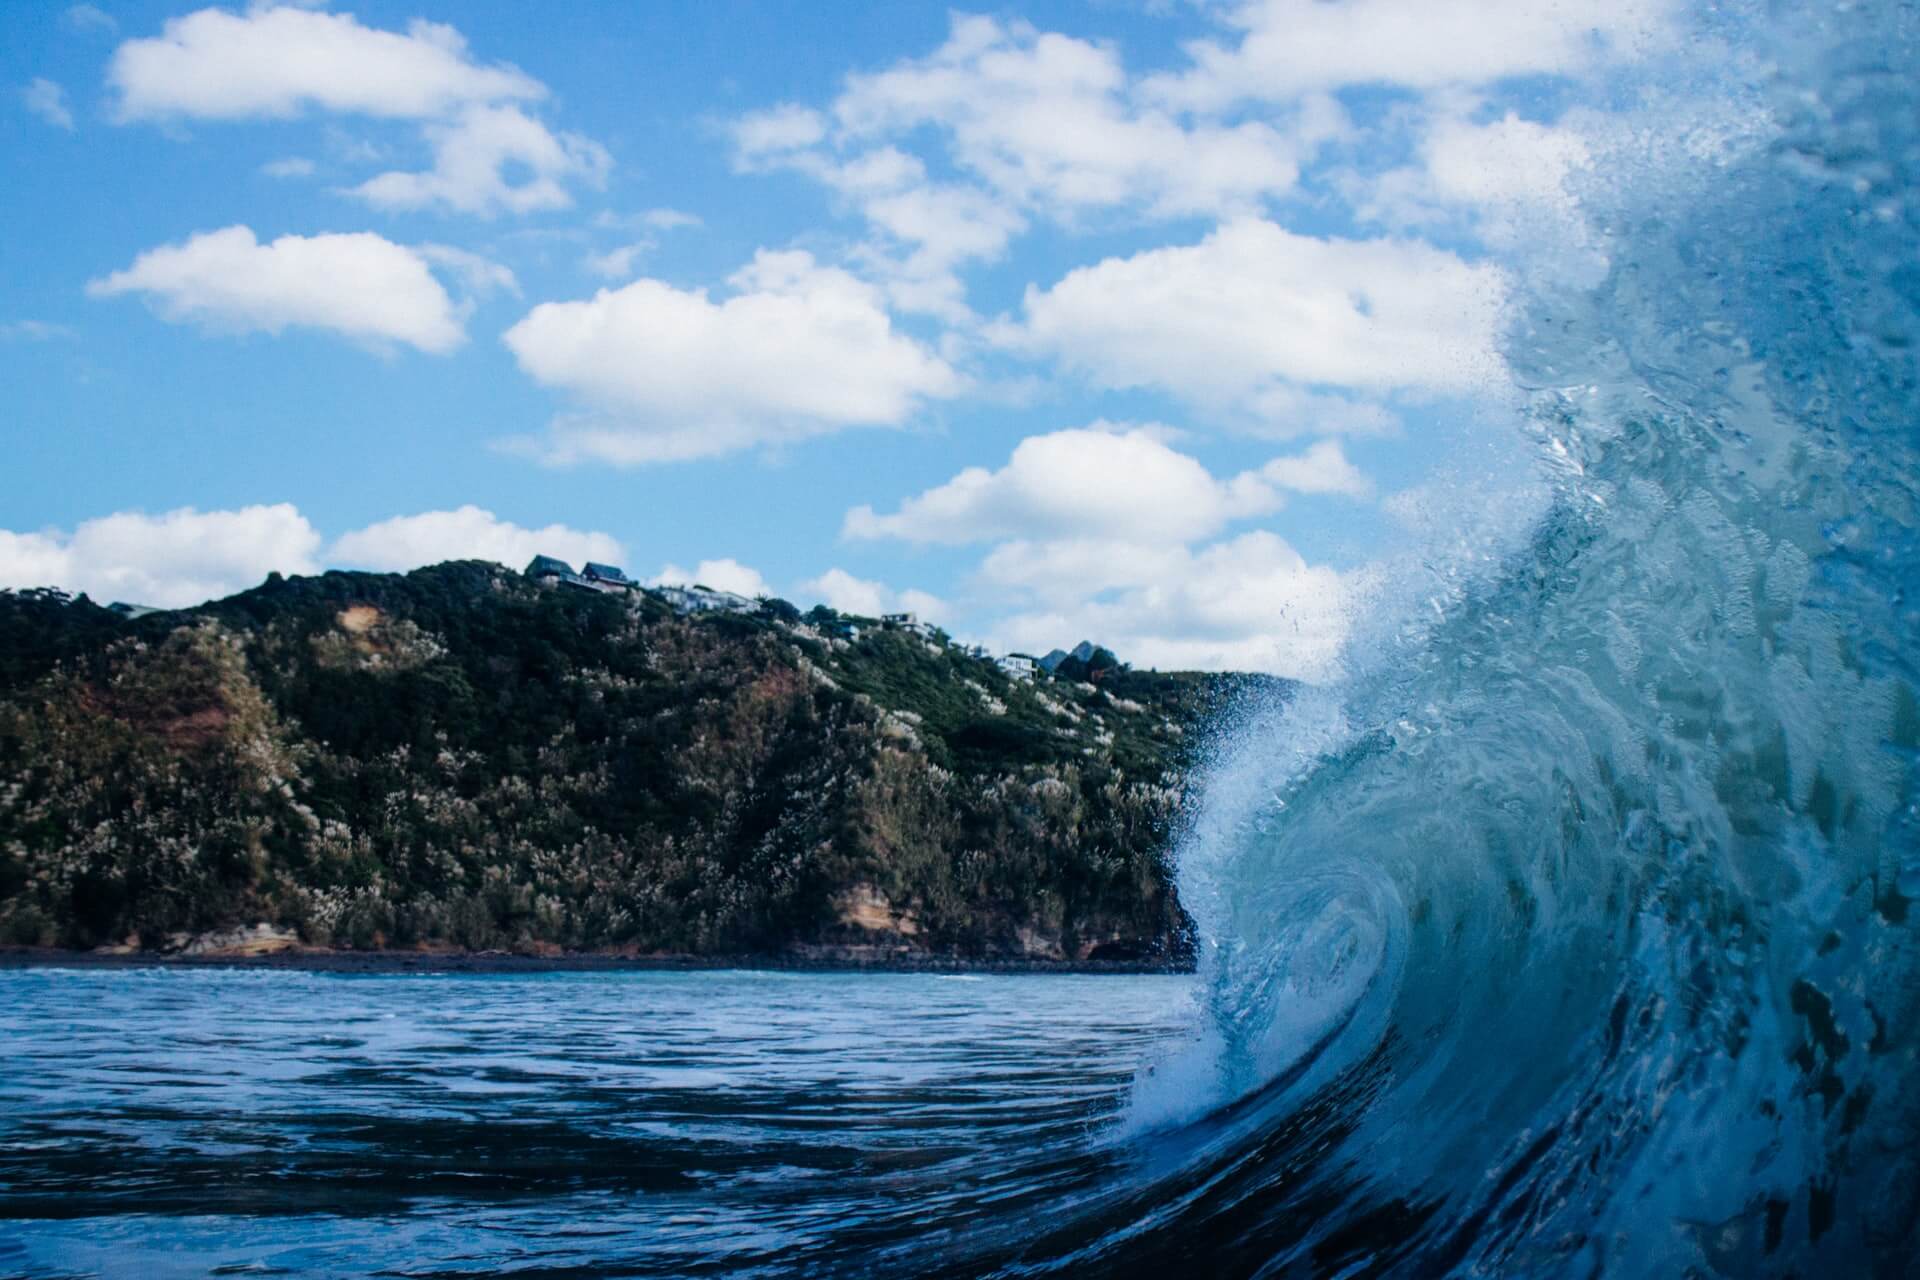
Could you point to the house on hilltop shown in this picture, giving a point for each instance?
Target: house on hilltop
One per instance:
(908, 622)
(606, 577)
(548, 571)
(699, 599)
(1020, 666)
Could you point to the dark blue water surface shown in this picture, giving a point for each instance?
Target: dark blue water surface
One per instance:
(159, 1122)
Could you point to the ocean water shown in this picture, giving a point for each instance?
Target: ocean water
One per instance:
(161, 1123)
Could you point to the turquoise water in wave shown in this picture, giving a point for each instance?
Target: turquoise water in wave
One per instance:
(158, 1123)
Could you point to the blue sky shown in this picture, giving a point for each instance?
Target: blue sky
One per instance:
(1150, 322)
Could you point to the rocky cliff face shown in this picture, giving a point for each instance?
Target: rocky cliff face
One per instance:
(459, 758)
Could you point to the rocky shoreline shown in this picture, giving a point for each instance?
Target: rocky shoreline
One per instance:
(820, 960)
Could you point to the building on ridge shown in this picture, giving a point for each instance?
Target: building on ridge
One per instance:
(606, 577)
(548, 571)
(700, 599)
(908, 622)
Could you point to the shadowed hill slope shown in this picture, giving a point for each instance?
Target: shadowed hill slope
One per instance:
(457, 757)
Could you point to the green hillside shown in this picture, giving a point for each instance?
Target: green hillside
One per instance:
(459, 758)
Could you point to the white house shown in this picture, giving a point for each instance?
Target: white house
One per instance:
(1018, 665)
(699, 599)
(910, 623)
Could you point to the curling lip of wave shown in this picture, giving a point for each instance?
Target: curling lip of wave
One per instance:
(1641, 807)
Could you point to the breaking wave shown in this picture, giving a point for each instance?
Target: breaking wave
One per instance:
(1573, 931)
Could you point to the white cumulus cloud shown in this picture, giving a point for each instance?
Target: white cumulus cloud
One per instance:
(867, 598)
(1250, 603)
(281, 61)
(1280, 411)
(662, 373)
(724, 574)
(1254, 311)
(1323, 468)
(1506, 161)
(467, 533)
(1512, 180)
(1289, 47)
(1026, 124)
(778, 130)
(1103, 534)
(922, 230)
(359, 285)
(170, 560)
(1083, 482)
(474, 156)
(187, 556)
(278, 60)
(1047, 119)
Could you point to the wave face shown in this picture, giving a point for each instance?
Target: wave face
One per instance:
(1575, 931)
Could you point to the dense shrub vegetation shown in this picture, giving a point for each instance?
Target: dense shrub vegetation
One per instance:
(457, 757)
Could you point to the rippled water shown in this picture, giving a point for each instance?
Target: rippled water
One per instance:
(184, 1123)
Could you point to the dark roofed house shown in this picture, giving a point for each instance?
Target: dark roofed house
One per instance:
(608, 577)
(545, 569)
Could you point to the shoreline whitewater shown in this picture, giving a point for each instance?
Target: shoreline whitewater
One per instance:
(825, 960)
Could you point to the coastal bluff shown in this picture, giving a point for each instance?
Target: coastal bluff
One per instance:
(461, 759)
